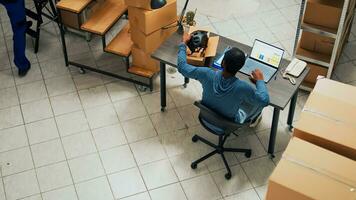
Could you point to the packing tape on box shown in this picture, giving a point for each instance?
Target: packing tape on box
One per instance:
(340, 179)
(323, 115)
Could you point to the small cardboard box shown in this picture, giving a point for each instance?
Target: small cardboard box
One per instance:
(149, 43)
(143, 4)
(317, 43)
(328, 118)
(314, 72)
(144, 60)
(150, 21)
(324, 13)
(309, 172)
(203, 58)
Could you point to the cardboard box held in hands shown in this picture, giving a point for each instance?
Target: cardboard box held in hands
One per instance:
(203, 58)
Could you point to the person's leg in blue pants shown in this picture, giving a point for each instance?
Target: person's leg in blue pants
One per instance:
(16, 11)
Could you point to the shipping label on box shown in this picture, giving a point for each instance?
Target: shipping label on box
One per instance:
(300, 176)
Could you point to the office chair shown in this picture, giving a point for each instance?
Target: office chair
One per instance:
(226, 127)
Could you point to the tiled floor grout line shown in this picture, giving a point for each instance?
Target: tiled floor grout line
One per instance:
(170, 161)
(135, 160)
(28, 141)
(65, 153)
(96, 146)
(2, 179)
(101, 161)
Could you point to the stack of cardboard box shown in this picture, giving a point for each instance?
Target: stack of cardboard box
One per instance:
(149, 29)
(320, 160)
(329, 118)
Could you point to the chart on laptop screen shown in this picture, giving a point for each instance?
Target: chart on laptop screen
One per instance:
(266, 53)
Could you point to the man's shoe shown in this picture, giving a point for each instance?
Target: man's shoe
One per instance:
(256, 121)
(23, 72)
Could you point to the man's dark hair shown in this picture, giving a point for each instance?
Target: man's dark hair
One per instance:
(234, 60)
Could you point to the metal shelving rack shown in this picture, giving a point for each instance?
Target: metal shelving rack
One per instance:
(340, 35)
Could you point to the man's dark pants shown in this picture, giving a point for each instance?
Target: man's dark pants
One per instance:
(16, 12)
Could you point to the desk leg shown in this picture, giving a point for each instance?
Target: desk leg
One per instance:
(273, 134)
(293, 103)
(163, 86)
(186, 81)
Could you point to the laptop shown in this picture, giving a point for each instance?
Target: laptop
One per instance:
(265, 57)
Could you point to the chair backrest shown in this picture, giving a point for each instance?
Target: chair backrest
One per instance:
(216, 119)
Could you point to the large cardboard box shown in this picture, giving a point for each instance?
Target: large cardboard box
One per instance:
(324, 13)
(328, 118)
(317, 43)
(309, 172)
(144, 60)
(149, 21)
(149, 43)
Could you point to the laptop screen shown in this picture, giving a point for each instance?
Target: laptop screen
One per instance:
(267, 53)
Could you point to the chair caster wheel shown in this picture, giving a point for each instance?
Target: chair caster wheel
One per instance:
(81, 71)
(228, 176)
(195, 138)
(142, 88)
(163, 109)
(193, 165)
(271, 156)
(248, 154)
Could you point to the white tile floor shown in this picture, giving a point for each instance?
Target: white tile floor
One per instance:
(67, 136)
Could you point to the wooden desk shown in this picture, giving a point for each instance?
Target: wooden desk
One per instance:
(280, 90)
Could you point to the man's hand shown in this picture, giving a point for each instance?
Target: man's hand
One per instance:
(186, 38)
(256, 75)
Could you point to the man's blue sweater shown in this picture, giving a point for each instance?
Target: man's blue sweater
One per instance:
(230, 97)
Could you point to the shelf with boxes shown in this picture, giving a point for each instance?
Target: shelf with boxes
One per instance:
(323, 29)
(145, 30)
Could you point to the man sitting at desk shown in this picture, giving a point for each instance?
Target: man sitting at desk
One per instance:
(223, 91)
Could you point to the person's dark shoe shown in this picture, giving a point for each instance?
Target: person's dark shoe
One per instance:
(23, 72)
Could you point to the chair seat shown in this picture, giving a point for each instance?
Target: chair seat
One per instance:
(212, 128)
